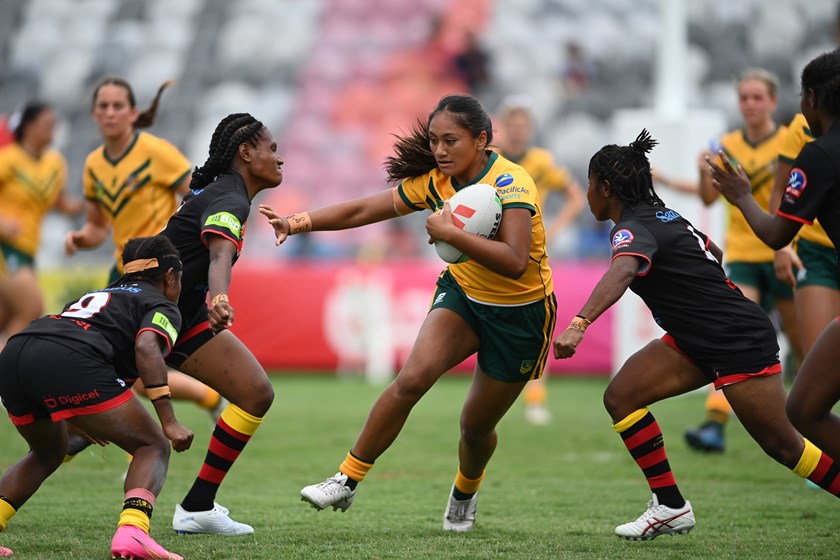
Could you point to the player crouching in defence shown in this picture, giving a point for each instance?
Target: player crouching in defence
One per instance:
(714, 333)
(103, 341)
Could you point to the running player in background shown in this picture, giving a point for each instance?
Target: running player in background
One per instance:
(209, 232)
(32, 179)
(812, 192)
(516, 145)
(749, 262)
(132, 184)
(503, 293)
(103, 341)
(713, 334)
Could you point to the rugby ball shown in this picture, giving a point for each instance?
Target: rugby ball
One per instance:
(476, 209)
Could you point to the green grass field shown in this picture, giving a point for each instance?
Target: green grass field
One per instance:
(550, 492)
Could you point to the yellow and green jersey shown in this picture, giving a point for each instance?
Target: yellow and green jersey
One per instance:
(798, 135)
(137, 191)
(29, 187)
(547, 176)
(516, 190)
(759, 162)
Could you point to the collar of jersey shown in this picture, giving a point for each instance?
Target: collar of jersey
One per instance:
(490, 161)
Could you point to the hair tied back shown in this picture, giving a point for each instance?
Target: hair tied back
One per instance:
(643, 143)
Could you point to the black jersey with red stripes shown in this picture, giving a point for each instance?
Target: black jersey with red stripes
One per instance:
(687, 291)
(813, 186)
(221, 208)
(107, 322)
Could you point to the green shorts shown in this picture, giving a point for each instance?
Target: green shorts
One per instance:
(761, 276)
(14, 259)
(819, 265)
(514, 341)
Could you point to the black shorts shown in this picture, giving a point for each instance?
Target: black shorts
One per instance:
(44, 378)
(729, 375)
(188, 342)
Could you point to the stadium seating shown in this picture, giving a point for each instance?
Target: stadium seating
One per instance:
(335, 78)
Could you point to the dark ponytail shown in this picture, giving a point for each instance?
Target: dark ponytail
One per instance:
(146, 118)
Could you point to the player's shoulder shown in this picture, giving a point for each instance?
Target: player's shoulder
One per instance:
(504, 172)
(147, 141)
(96, 156)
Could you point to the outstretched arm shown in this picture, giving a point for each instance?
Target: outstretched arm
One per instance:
(733, 184)
(609, 290)
(344, 215)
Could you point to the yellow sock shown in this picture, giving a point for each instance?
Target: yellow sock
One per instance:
(137, 509)
(210, 399)
(808, 462)
(536, 392)
(718, 408)
(240, 420)
(632, 418)
(468, 485)
(354, 467)
(7, 511)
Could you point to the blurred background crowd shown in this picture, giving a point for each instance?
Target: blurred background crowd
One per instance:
(335, 79)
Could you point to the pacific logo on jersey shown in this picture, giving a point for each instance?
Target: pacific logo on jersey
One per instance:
(796, 183)
(622, 238)
(504, 180)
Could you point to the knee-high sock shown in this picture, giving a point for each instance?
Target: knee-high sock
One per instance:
(232, 432)
(643, 438)
(819, 468)
(7, 511)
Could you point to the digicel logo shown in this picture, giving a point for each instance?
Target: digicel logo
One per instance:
(77, 399)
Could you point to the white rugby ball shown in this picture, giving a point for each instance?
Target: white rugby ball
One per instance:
(476, 209)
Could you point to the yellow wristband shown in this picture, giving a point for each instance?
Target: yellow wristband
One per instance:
(299, 223)
(579, 324)
(218, 298)
(155, 393)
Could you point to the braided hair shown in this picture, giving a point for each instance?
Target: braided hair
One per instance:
(628, 170)
(158, 247)
(414, 156)
(146, 118)
(822, 75)
(230, 133)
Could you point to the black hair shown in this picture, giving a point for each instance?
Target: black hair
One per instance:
(31, 111)
(230, 133)
(414, 156)
(822, 75)
(627, 169)
(158, 247)
(146, 118)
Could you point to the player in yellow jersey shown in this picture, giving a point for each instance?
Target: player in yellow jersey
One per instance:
(749, 262)
(516, 144)
(132, 183)
(32, 178)
(503, 293)
(812, 267)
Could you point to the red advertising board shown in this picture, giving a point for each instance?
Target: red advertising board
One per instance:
(343, 316)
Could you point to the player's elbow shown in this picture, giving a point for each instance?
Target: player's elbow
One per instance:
(515, 270)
